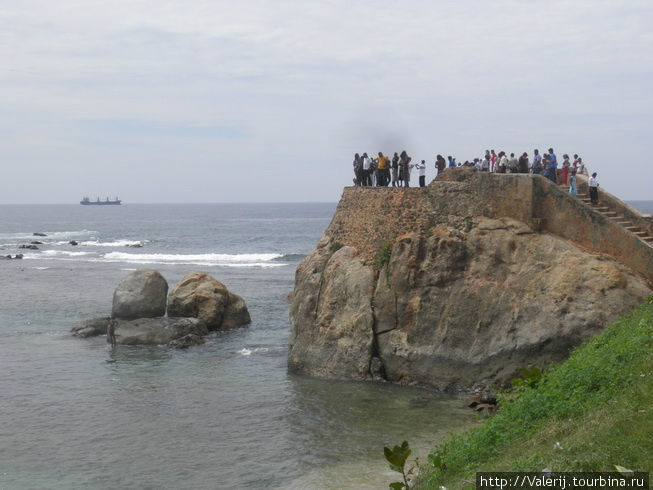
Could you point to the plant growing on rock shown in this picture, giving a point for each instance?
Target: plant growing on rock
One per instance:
(384, 255)
(335, 246)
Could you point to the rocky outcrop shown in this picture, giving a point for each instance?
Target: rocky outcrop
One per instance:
(158, 331)
(201, 296)
(139, 303)
(462, 302)
(142, 294)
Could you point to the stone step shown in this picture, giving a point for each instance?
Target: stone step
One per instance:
(610, 214)
(602, 209)
(632, 228)
(624, 223)
(647, 238)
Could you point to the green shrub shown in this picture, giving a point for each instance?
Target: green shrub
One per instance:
(384, 255)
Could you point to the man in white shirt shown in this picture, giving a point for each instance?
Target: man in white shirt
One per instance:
(367, 163)
(422, 173)
(594, 189)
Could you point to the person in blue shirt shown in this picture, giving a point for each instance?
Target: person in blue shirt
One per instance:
(553, 166)
(452, 161)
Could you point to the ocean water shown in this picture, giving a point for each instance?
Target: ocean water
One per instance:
(76, 414)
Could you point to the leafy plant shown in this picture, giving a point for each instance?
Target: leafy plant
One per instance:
(384, 255)
(530, 377)
(397, 457)
(335, 246)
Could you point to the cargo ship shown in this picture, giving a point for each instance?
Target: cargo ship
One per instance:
(86, 201)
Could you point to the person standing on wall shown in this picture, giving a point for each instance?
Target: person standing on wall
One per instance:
(493, 161)
(440, 164)
(358, 170)
(367, 163)
(382, 171)
(573, 189)
(422, 173)
(594, 189)
(553, 166)
(395, 170)
(565, 168)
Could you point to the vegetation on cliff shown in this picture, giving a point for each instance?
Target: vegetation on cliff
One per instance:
(590, 413)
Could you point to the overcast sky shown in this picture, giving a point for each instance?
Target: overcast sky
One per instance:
(223, 101)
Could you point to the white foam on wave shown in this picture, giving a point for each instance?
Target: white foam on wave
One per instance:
(62, 253)
(248, 352)
(117, 243)
(55, 255)
(225, 260)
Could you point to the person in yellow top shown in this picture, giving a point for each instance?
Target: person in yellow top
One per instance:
(383, 170)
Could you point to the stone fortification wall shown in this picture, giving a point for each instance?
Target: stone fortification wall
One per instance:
(574, 220)
(367, 218)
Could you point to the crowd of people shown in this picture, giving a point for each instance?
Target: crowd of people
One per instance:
(385, 171)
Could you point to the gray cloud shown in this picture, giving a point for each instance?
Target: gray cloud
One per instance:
(265, 100)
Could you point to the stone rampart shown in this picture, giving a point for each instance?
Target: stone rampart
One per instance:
(369, 217)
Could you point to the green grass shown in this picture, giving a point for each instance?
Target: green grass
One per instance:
(598, 405)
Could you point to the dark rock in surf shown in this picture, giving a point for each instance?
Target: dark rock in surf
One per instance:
(73, 242)
(29, 247)
(91, 328)
(159, 331)
(142, 294)
(38, 234)
(186, 341)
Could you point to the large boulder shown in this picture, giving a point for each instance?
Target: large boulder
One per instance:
(142, 294)
(199, 295)
(158, 331)
(462, 306)
(332, 320)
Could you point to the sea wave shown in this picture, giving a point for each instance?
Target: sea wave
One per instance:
(257, 350)
(225, 260)
(117, 243)
(56, 253)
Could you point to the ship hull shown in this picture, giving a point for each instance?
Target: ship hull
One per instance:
(100, 203)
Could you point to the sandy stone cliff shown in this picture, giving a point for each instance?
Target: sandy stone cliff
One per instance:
(458, 285)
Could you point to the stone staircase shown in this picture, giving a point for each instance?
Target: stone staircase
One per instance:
(614, 216)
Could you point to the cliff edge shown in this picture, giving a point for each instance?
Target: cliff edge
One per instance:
(460, 284)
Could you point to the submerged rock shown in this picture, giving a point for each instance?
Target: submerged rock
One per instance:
(91, 328)
(186, 341)
(201, 296)
(142, 294)
(158, 331)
